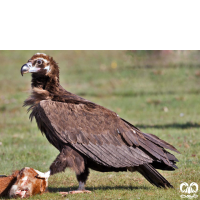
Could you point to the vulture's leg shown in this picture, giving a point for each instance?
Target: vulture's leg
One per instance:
(82, 180)
(82, 177)
(69, 157)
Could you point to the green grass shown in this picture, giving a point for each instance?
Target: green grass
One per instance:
(157, 93)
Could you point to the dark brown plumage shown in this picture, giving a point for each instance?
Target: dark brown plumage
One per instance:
(89, 135)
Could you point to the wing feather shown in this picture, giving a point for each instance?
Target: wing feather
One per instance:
(99, 134)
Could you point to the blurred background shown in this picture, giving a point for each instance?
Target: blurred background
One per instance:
(157, 91)
(165, 83)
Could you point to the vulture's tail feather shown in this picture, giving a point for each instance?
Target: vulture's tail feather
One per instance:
(153, 176)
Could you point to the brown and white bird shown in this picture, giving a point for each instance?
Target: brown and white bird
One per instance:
(89, 135)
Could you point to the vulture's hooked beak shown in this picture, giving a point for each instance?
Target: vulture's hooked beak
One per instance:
(28, 68)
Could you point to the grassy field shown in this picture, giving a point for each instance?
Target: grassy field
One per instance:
(159, 93)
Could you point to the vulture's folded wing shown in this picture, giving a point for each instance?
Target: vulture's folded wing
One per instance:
(99, 134)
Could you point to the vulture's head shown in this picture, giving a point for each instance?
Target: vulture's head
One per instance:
(41, 65)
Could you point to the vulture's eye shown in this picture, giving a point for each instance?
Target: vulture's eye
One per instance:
(39, 62)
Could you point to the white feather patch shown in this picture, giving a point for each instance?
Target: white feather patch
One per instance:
(47, 68)
(133, 131)
(34, 69)
(40, 54)
(43, 60)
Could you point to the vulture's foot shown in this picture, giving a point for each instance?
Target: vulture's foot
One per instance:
(75, 192)
(81, 189)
